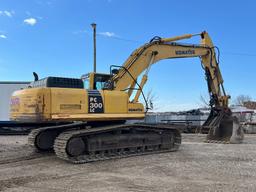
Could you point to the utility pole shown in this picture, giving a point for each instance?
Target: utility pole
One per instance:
(94, 46)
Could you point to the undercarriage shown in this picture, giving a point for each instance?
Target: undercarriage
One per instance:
(82, 142)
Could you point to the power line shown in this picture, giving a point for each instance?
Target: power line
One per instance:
(119, 38)
(239, 54)
(136, 41)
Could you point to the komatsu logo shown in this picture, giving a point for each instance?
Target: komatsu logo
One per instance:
(185, 52)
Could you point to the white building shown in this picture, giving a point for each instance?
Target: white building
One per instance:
(6, 90)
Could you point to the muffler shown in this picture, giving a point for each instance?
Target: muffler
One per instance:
(223, 127)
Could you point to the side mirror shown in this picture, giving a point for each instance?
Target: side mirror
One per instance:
(114, 71)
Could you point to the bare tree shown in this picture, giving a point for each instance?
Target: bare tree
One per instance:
(204, 101)
(151, 99)
(240, 99)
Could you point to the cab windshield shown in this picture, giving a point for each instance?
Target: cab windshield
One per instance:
(99, 81)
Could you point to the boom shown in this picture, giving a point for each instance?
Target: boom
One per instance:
(158, 49)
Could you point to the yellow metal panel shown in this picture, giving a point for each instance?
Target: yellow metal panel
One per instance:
(135, 108)
(30, 104)
(66, 104)
(67, 100)
(115, 101)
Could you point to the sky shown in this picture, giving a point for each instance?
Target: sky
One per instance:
(54, 38)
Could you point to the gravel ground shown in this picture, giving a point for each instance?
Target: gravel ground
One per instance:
(197, 166)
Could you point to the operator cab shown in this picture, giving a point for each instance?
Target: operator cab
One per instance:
(95, 80)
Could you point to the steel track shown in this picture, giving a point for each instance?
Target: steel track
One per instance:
(32, 137)
(62, 140)
(68, 131)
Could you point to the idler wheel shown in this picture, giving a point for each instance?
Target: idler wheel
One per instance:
(75, 147)
(45, 140)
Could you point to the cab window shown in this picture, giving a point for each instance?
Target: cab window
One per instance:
(99, 81)
(86, 83)
(99, 85)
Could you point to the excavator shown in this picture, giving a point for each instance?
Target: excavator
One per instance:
(83, 120)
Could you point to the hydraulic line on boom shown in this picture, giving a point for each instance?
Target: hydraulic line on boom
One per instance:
(220, 119)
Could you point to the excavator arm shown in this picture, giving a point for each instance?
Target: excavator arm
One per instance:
(158, 49)
(220, 122)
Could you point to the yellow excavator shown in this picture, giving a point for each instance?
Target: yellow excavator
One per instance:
(83, 120)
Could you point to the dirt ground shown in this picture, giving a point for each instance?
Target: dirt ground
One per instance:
(197, 166)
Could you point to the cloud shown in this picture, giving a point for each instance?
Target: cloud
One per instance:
(28, 13)
(46, 3)
(3, 36)
(7, 13)
(108, 34)
(105, 34)
(81, 32)
(30, 21)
